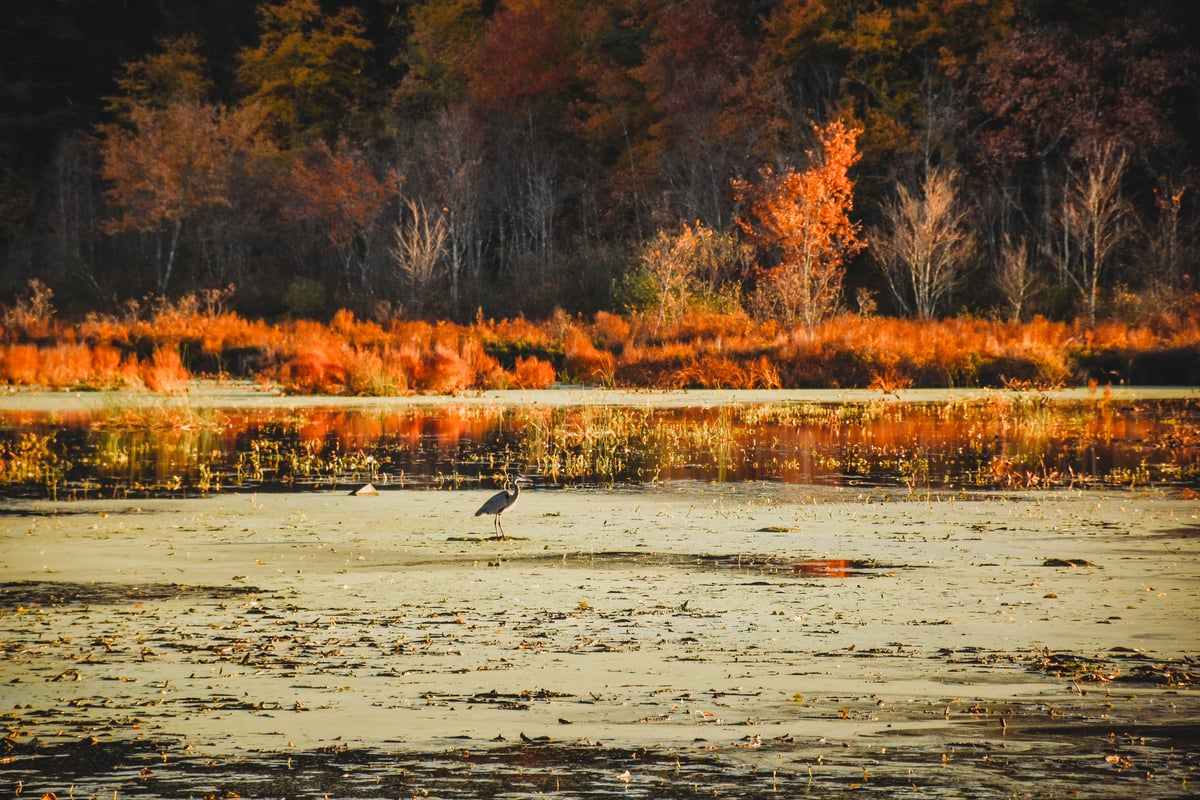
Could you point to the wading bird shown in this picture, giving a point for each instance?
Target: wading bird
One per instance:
(502, 501)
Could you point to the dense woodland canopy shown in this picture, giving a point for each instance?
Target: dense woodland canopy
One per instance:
(445, 158)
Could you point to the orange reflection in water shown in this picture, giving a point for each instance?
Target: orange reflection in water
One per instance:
(824, 568)
(998, 443)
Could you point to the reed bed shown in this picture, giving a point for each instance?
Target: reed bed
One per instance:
(162, 349)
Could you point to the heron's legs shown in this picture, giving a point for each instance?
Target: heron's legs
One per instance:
(500, 528)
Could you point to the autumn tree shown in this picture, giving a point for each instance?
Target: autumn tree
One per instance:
(1046, 92)
(924, 244)
(307, 71)
(611, 111)
(1165, 234)
(524, 55)
(523, 71)
(689, 265)
(445, 168)
(1015, 279)
(418, 252)
(437, 52)
(172, 166)
(697, 134)
(804, 217)
(1095, 214)
(342, 195)
(1049, 91)
(177, 72)
(882, 60)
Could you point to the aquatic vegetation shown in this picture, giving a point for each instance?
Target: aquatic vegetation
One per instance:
(32, 460)
(1120, 665)
(1007, 441)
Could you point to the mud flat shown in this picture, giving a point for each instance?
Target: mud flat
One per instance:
(689, 640)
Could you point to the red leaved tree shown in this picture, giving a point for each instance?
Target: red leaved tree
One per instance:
(175, 164)
(342, 194)
(805, 218)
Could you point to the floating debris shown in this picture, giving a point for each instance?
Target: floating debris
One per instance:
(1069, 562)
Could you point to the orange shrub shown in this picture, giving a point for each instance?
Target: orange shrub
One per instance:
(64, 365)
(19, 364)
(703, 348)
(709, 372)
(610, 330)
(533, 373)
(308, 359)
(584, 361)
(653, 366)
(699, 323)
(487, 372)
(103, 330)
(443, 371)
(448, 335)
(764, 374)
(518, 333)
(218, 334)
(406, 361)
(360, 333)
(165, 372)
(412, 332)
(106, 366)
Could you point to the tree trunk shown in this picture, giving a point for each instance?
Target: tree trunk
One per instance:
(164, 274)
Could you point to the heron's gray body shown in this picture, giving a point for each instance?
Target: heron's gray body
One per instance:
(499, 503)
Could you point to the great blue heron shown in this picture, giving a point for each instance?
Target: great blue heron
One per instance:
(502, 501)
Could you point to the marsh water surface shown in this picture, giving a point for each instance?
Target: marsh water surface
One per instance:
(967, 441)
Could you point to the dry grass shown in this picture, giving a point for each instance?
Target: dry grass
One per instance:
(163, 348)
(533, 373)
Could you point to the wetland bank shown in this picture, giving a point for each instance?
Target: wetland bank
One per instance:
(995, 600)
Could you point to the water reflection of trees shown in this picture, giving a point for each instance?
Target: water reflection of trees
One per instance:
(999, 443)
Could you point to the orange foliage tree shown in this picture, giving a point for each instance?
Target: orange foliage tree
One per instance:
(173, 165)
(340, 193)
(805, 217)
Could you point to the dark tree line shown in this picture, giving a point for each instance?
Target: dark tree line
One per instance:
(442, 158)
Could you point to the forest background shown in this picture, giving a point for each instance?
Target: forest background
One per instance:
(680, 192)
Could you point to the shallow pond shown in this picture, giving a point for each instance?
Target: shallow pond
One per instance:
(990, 441)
